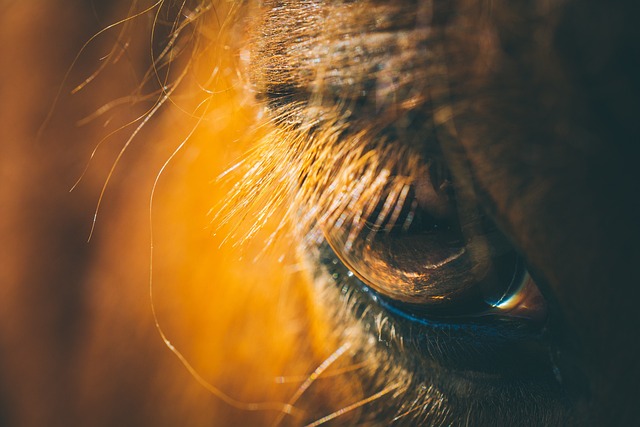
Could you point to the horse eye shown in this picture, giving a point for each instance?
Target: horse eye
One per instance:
(431, 259)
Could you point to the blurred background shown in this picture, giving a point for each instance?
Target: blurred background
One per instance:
(78, 342)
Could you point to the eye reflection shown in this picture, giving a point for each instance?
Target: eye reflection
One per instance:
(428, 260)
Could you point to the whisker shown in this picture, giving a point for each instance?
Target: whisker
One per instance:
(133, 135)
(328, 374)
(314, 376)
(54, 104)
(351, 407)
(102, 141)
(414, 409)
(131, 99)
(113, 55)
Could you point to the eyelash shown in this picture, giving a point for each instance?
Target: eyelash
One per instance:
(341, 176)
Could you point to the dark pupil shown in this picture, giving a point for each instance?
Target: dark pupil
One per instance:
(429, 260)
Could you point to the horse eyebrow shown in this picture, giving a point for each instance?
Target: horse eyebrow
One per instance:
(368, 64)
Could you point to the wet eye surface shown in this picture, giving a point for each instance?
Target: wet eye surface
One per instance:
(418, 252)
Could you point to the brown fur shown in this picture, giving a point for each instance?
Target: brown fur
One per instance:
(234, 325)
